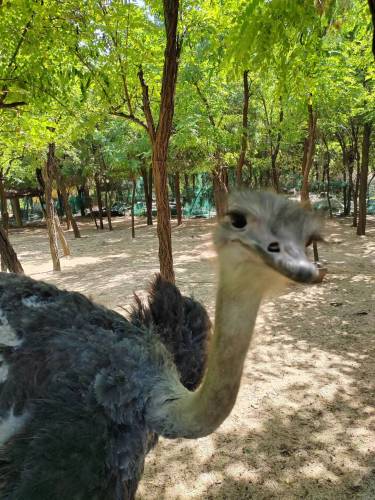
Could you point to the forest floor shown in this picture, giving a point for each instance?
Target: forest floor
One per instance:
(303, 426)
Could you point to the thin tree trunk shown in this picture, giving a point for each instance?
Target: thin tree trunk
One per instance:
(357, 174)
(326, 173)
(50, 209)
(309, 150)
(220, 192)
(132, 207)
(81, 195)
(245, 112)
(350, 187)
(8, 255)
(178, 198)
(65, 199)
(61, 235)
(4, 214)
(362, 201)
(186, 181)
(147, 178)
(355, 197)
(108, 205)
(15, 202)
(99, 199)
(4, 204)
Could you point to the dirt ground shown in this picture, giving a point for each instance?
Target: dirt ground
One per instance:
(304, 422)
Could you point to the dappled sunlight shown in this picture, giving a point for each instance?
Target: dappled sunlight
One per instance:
(304, 422)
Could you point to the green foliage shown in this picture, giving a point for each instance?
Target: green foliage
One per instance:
(72, 67)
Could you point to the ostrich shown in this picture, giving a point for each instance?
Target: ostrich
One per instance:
(85, 393)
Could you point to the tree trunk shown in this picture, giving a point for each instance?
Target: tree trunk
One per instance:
(274, 173)
(108, 203)
(160, 135)
(65, 199)
(50, 209)
(8, 255)
(178, 198)
(132, 207)
(15, 202)
(147, 187)
(326, 173)
(355, 198)
(362, 201)
(245, 112)
(163, 216)
(4, 204)
(220, 192)
(309, 150)
(99, 199)
(350, 187)
(186, 182)
(61, 235)
(81, 194)
(4, 213)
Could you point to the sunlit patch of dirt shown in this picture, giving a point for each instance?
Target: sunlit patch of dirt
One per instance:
(304, 422)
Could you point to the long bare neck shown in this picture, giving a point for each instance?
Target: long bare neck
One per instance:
(177, 412)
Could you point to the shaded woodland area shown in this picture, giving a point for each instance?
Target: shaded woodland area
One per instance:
(173, 105)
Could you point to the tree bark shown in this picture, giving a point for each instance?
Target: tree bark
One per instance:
(245, 112)
(4, 204)
(99, 199)
(50, 209)
(371, 4)
(275, 152)
(81, 194)
(61, 235)
(362, 200)
(4, 213)
(15, 202)
(65, 199)
(108, 203)
(220, 192)
(309, 150)
(355, 130)
(147, 187)
(132, 207)
(178, 198)
(160, 135)
(326, 174)
(8, 255)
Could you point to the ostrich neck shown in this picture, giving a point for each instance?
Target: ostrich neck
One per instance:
(196, 414)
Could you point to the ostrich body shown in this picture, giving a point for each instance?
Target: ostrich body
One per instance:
(84, 392)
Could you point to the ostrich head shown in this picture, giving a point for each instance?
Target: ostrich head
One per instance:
(266, 235)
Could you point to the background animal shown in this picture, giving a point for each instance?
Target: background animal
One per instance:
(85, 392)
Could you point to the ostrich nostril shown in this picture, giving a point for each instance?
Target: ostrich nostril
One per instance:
(273, 247)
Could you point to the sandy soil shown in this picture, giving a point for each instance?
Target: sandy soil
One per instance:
(304, 422)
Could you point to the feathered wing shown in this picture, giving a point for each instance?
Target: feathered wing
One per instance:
(181, 323)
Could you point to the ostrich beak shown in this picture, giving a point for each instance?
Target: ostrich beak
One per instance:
(290, 260)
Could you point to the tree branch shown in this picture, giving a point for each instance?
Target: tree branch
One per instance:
(129, 117)
(146, 106)
(5, 105)
(206, 103)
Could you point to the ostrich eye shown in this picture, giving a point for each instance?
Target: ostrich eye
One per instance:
(238, 220)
